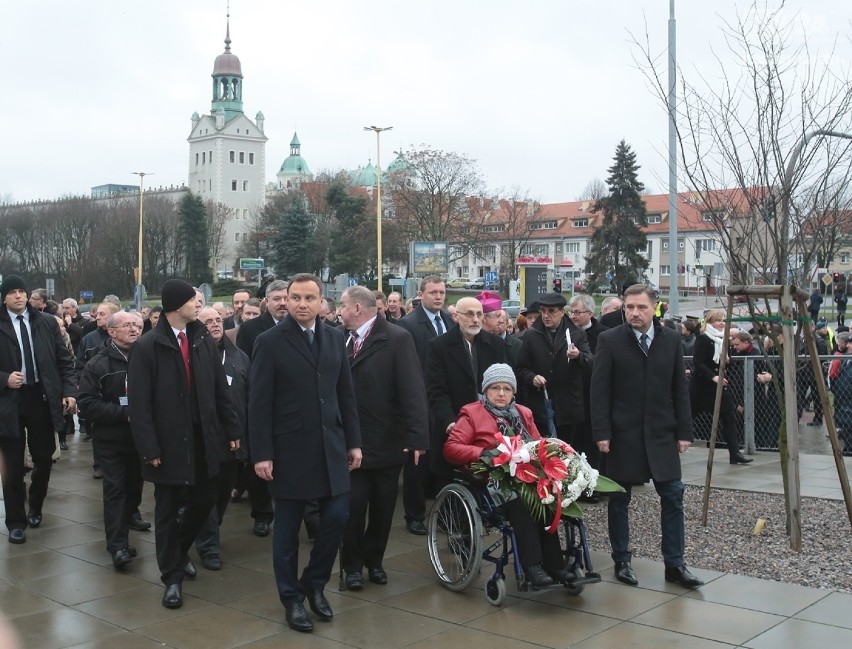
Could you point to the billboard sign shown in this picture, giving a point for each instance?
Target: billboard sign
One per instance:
(429, 258)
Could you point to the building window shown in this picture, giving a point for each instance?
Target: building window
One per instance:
(251, 158)
(844, 257)
(236, 236)
(233, 185)
(494, 228)
(210, 157)
(665, 246)
(245, 185)
(203, 157)
(712, 215)
(232, 156)
(543, 225)
(245, 214)
(581, 223)
(708, 245)
(242, 157)
(650, 250)
(535, 249)
(573, 246)
(653, 219)
(245, 237)
(196, 159)
(664, 270)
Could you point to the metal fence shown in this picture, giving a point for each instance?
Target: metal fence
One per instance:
(759, 414)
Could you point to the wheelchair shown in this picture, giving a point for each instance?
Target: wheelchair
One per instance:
(463, 517)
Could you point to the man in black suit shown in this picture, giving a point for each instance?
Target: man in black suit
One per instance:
(305, 438)
(426, 322)
(241, 296)
(642, 420)
(392, 411)
(276, 311)
(454, 375)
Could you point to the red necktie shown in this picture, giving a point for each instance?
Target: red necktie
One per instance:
(184, 351)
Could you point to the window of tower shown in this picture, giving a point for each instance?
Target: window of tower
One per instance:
(245, 185)
(242, 157)
(233, 185)
(232, 156)
(251, 158)
(204, 157)
(196, 159)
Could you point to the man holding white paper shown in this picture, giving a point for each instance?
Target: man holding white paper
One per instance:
(553, 359)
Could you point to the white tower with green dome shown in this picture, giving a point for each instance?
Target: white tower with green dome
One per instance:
(227, 154)
(294, 170)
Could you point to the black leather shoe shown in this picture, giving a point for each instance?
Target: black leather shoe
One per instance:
(562, 576)
(131, 550)
(138, 524)
(536, 576)
(121, 558)
(63, 446)
(377, 576)
(261, 528)
(624, 573)
(189, 569)
(34, 519)
(739, 458)
(319, 605)
(211, 562)
(354, 581)
(173, 598)
(297, 617)
(416, 527)
(683, 577)
(17, 536)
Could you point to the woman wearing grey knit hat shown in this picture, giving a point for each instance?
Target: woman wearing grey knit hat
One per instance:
(474, 433)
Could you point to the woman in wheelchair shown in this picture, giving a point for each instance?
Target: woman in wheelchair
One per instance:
(474, 430)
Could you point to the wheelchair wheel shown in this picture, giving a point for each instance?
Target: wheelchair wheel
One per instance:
(455, 537)
(575, 589)
(495, 590)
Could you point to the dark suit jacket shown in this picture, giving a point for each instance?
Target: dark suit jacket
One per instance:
(593, 332)
(451, 383)
(302, 411)
(419, 324)
(641, 404)
(391, 397)
(249, 331)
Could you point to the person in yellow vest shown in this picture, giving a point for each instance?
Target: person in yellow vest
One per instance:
(662, 309)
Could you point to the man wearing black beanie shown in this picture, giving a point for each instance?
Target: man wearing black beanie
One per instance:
(37, 371)
(182, 420)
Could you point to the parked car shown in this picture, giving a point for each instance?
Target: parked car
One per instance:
(458, 282)
(512, 308)
(476, 284)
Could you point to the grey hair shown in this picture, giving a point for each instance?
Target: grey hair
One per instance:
(361, 295)
(587, 301)
(276, 285)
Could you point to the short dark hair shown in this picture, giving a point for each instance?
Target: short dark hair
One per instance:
(298, 278)
(641, 289)
(743, 336)
(380, 296)
(431, 279)
(252, 301)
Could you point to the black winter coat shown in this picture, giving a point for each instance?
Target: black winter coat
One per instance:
(161, 404)
(103, 388)
(54, 363)
(549, 358)
(420, 325)
(236, 365)
(640, 404)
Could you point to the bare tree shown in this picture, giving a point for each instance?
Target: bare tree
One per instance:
(594, 191)
(218, 215)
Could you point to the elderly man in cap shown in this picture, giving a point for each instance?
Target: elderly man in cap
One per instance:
(554, 358)
(181, 416)
(39, 388)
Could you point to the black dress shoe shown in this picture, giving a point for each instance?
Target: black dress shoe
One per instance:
(739, 458)
(624, 573)
(377, 576)
(354, 581)
(189, 569)
(562, 575)
(17, 536)
(211, 562)
(121, 558)
(319, 605)
(536, 576)
(683, 577)
(416, 527)
(297, 617)
(138, 524)
(34, 519)
(63, 446)
(131, 550)
(261, 528)
(173, 598)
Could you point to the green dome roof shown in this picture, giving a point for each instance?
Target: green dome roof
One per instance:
(295, 164)
(399, 164)
(364, 176)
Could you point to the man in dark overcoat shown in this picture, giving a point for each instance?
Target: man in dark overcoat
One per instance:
(641, 419)
(304, 438)
(276, 311)
(392, 411)
(183, 420)
(454, 371)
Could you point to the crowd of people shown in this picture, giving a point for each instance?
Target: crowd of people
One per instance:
(317, 410)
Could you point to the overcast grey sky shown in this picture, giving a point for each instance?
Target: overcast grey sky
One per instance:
(538, 92)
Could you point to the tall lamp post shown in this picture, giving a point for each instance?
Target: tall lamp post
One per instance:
(378, 131)
(139, 288)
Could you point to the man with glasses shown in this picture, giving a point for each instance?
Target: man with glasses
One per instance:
(551, 368)
(103, 402)
(454, 371)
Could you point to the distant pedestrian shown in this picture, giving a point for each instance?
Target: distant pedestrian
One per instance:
(840, 300)
(814, 304)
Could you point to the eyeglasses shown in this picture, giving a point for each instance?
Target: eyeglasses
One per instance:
(127, 325)
(471, 314)
(579, 313)
(500, 388)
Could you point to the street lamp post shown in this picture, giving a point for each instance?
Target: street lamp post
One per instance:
(139, 288)
(378, 130)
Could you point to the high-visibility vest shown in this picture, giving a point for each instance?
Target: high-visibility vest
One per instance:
(662, 307)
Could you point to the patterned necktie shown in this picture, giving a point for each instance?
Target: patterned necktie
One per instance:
(29, 366)
(643, 343)
(352, 344)
(184, 351)
(439, 325)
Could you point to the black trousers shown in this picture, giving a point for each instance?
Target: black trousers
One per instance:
(535, 544)
(122, 488)
(414, 478)
(373, 495)
(258, 492)
(207, 542)
(179, 514)
(36, 426)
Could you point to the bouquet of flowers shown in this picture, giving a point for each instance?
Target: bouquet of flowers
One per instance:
(547, 474)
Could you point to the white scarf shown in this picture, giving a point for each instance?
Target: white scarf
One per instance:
(718, 337)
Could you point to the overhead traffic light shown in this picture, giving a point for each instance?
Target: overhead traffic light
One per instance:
(557, 285)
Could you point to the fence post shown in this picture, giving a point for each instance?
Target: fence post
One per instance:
(748, 398)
